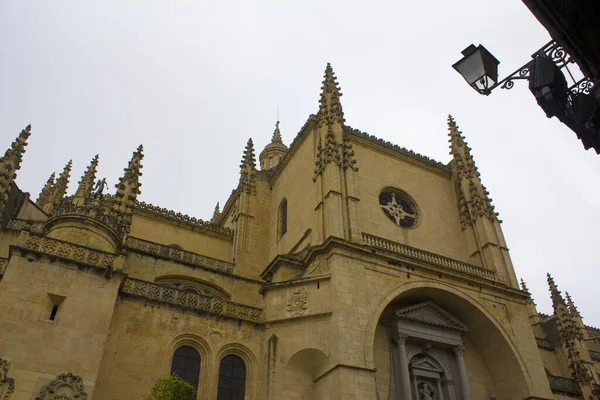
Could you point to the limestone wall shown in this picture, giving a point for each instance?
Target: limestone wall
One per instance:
(143, 337)
(194, 240)
(39, 348)
(438, 229)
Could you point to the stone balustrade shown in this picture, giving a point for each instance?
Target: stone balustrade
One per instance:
(422, 255)
(68, 251)
(561, 384)
(192, 301)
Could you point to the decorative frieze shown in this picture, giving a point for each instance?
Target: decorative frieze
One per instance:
(24, 225)
(172, 216)
(192, 301)
(422, 255)
(181, 256)
(71, 388)
(559, 384)
(68, 251)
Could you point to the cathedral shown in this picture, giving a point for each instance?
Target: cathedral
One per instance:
(342, 267)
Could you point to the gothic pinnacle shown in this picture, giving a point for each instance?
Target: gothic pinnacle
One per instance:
(248, 159)
(572, 309)
(555, 294)
(524, 286)
(10, 163)
(46, 193)
(62, 183)
(216, 213)
(132, 173)
(330, 108)
(86, 184)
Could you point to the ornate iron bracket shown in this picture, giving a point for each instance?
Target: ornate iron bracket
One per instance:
(559, 56)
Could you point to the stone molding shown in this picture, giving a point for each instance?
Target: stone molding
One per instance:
(422, 255)
(74, 384)
(191, 301)
(431, 314)
(172, 216)
(180, 256)
(67, 251)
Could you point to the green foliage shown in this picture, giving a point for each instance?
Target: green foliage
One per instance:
(170, 388)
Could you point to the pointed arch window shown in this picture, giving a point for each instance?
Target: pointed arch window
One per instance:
(186, 365)
(232, 378)
(282, 217)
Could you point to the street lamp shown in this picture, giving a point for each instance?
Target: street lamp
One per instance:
(575, 106)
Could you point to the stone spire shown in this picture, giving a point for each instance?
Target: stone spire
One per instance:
(10, 163)
(86, 184)
(534, 317)
(248, 159)
(576, 316)
(46, 194)
(59, 189)
(474, 200)
(248, 169)
(128, 189)
(216, 213)
(571, 339)
(330, 107)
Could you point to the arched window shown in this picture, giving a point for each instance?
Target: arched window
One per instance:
(232, 378)
(282, 217)
(186, 365)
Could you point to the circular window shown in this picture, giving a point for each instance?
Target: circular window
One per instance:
(398, 207)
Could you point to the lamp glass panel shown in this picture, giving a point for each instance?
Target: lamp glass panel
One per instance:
(471, 67)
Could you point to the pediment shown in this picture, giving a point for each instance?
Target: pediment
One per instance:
(429, 313)
(426, 364)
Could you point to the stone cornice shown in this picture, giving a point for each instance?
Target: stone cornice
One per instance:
(190, 301)
(178, 218)
(399, 260)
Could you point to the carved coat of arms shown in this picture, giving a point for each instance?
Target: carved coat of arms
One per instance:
(298, 302)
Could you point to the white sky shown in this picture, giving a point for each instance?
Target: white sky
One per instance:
(192, 80)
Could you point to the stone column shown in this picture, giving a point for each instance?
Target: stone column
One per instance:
(440, 394)
(462, 370)
(403, 364)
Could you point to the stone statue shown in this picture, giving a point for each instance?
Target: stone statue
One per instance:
(425, 392)
(99, 188)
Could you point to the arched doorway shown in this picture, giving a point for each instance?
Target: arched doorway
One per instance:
(452, 347)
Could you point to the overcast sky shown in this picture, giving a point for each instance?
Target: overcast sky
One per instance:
(192, 80)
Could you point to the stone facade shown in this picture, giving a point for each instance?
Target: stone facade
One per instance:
(343, 267)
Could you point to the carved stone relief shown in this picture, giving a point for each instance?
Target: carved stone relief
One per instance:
(7, 385)
(298, 302)
(64, 387)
